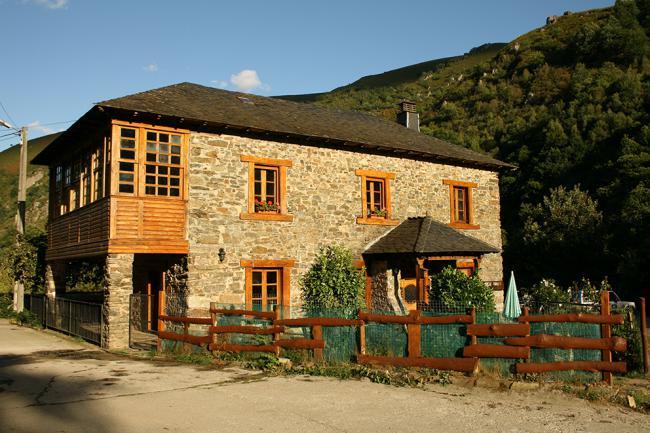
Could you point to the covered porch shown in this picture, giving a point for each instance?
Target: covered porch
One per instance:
(400, 262)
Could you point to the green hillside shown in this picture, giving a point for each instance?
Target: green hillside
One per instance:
(36, 192)
(568, 104)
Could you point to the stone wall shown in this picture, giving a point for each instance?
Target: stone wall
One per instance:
(117, 290)
(324, 197)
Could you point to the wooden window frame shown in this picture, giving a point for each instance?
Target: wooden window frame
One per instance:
(284, 266)
(386, 177)
(469, 205)
(281, 166)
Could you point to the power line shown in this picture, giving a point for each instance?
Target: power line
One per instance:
(10, 133)
(8, 115)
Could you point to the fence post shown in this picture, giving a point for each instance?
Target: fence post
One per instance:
(524, 314)
(644, 335)
(317, 334)
(362, 335)
(414, 332)
(606, 332)
(69, 317)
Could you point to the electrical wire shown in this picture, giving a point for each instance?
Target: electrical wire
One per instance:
(11, 133)
(8, 115)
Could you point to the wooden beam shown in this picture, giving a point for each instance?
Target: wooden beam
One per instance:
(617, 344)
(300, 343)
(615, 319)
(499, 330)
(251, 330)
(318, 321)
(495, 351)
(593, 366)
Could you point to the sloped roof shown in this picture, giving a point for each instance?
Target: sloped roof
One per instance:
(424, 235)
(199, 103)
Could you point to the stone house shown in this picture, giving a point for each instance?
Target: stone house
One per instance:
(248, 188)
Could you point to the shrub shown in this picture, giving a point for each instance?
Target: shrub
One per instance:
(545, 292)
(333, 281)
(455, 288)
(84, 276)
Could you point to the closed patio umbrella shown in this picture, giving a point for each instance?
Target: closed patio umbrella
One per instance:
(511, 309)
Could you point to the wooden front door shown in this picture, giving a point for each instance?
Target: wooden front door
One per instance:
(409, 291)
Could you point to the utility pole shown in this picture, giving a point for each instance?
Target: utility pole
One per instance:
(19, 287)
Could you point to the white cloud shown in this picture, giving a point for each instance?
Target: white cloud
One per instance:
(220, 83)
(247, 80)
(152, 67)
(36, 125)
(49, 4)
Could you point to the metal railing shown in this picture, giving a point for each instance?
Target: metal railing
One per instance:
(83, 319)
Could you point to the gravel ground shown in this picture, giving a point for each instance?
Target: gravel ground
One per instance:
(53, 384)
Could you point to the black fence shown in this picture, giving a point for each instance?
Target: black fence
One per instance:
(82, 319)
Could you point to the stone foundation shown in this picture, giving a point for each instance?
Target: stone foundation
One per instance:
(54, 278)
(118, 287)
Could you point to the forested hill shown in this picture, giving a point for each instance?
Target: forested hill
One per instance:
(568, 104)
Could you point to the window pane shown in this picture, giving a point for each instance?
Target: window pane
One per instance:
(126, 177)
(162, 170)
(151, 168)
(272, 277)
(272, 291)
(127, 144)
(151, 190)
(174, 171)
(127, 154)
(176, 139)
(257, 277)
(162, 191)
(162, 180)
(176, 160)
(164, 148)
(174, 181)
(151, 157)
(151, 147)
(257, 292)
(258, 190)
(126, 132)
(163, 138)
(126, 166)
(163, 158)
(176, 150)
(174, 192)
(124, 187)
(150, 179)
(151, 136)
(258, 174)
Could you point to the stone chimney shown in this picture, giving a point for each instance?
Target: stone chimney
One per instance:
(408, 115)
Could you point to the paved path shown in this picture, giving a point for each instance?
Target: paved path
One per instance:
(53, 384)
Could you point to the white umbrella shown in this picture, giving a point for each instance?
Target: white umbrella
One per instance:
(512, 309)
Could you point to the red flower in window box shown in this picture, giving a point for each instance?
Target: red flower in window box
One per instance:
(266, 207)
(378, 213)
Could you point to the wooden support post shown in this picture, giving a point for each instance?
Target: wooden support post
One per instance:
(414, 331)
(276, 317)
(215, 322)
(317, 334)
(524, 314)
(362, 338)
(186, 331)
(606, 332)
(474, 341)
(644, 335)
(161, 310)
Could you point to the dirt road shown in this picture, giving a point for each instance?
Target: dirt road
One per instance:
(52, 384)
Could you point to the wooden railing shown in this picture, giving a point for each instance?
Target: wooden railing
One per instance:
(517, 340)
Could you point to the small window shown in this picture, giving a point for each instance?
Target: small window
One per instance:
(268, 283)
(267, 198)
(375, 197)
(127, 161)
(265, 293)
(461, 204)
(163, 164)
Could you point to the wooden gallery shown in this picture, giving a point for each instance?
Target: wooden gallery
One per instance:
(247, 189)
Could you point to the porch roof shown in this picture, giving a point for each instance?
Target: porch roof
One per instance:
(424, 235)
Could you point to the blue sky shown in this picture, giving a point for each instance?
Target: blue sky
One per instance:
(58, 57)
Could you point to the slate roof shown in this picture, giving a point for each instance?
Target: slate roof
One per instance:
(220, 107)
(424, 235)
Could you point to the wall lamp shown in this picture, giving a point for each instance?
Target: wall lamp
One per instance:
(222, 254)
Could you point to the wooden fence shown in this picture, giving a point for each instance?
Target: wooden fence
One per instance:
(516, 338)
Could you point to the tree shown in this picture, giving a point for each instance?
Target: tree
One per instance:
(562, 235)
(333, 281)
(454, 288)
